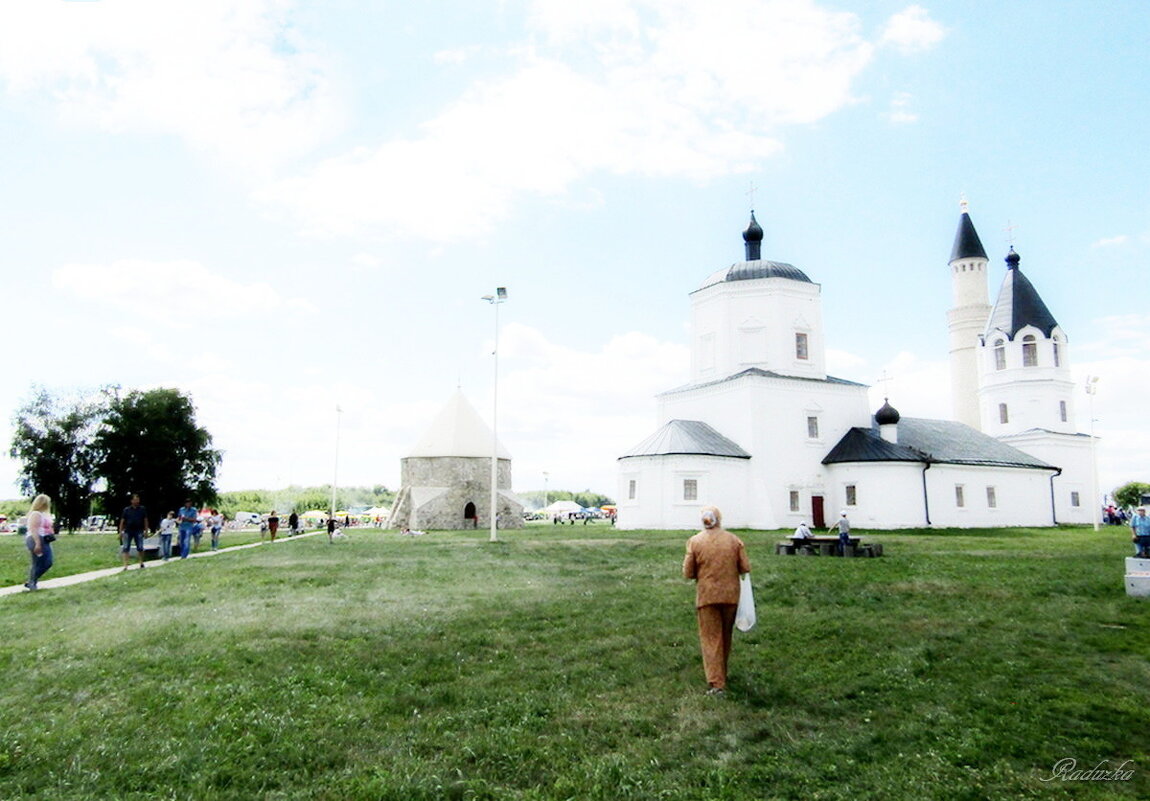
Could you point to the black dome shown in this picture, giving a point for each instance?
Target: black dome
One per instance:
(754, 232)
(887, 415)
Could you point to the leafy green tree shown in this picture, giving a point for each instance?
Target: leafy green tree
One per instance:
(52, 443)
(150, 444)
(1130, 494)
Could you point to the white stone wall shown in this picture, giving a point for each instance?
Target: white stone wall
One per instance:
(436, 490)
(1031, 394)
(659, 501)
(752, 323)
(1073, 454)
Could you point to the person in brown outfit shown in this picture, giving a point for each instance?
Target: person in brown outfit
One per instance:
(715, 559)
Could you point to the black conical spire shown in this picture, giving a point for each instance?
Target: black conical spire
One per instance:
(967, 245)
(1019, 303)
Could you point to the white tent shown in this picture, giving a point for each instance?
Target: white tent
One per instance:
(561, 508)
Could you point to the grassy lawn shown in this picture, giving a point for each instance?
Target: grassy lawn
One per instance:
(563, 663)
(89, 550)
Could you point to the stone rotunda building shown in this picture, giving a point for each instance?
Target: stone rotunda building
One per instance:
(446, 479)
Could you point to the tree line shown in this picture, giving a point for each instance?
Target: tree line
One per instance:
(91, 453)
(303, 499)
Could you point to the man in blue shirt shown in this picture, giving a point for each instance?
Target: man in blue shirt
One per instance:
(188, 517)
(1140, 526)
(133, 525)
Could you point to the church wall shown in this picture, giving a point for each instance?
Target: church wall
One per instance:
(1021, 497)
(1073, 454)
(660, 502)
(768, 418)
(886, 494)
(741, 324)
(1032, 394)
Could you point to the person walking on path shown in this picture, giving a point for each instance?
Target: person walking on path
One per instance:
(273, 524)
(1140, 526)
(167, 528)
(41, 533)
(133, 525)
(715, 559)
(216, 521)
(293, 524)
(187, 518)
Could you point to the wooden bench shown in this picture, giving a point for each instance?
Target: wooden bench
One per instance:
(826, 546)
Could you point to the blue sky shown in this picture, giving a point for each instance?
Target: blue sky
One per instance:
(281, 207)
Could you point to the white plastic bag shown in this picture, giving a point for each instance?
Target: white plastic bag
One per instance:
(745, 615)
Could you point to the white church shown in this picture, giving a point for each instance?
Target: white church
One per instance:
(762, 432)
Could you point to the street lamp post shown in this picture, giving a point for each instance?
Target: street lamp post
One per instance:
(495, 300)
(1091, 391)
(335, 467)
(546, 490)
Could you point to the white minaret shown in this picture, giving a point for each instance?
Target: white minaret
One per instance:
(966, 319)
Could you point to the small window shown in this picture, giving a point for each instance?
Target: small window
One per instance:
(851, 495)
(1057, 353)
(801, 350)
(1029, 351)
(631, 487)
(690, 489)
(813, 427)
(1062, 411)
(1003, 414)
(991, 498)
(794, 500)
(1074, 500)
(999, 355)
(959, 497)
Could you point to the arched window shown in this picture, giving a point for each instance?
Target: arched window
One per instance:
(1057, 352)
(1029, 351)
(999, 355)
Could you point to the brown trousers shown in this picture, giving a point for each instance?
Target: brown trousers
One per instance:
(716, 622)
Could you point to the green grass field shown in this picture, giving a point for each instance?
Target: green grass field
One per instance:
(562, 663)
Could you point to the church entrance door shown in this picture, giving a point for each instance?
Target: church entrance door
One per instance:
(818, 519)
(469, 515)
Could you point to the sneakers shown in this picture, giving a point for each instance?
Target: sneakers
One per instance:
(716, 691)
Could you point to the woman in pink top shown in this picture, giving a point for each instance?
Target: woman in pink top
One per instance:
(39, 539)
(715, 559)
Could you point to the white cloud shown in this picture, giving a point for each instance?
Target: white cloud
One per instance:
(157, 286)
(1106, 242)
(912, 30)
(899, 112)
(669, 88)
(230, 77)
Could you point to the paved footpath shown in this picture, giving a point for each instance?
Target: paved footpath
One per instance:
(92, 575)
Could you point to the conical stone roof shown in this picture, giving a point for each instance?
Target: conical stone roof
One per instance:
(458, 430)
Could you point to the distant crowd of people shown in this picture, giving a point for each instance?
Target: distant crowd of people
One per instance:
(183, 528)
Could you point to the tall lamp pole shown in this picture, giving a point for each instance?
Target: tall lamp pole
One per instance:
(335, 467)
(495, 300)
(1091, 391)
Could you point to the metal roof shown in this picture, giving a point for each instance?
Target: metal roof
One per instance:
(692, 437)
(1018, 304)
(967, 245)
(761, 373)
(922, 440)
(750, 270)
